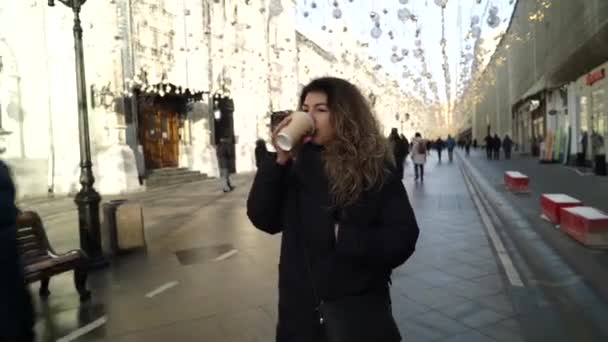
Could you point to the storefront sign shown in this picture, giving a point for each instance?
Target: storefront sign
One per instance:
(596, 76)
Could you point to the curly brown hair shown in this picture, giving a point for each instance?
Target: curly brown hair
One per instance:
(357, 158)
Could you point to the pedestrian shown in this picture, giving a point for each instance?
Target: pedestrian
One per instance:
(475, 143)
(429, 145)
(489, 146)
(439, 145)
(260, 151)
(224, 159)
(507, 145)
(451, 143)
(399, 150)
(496, 147)
(16, 311)
(345, 218)
(419, 153)
(406, 143)
(467, 147)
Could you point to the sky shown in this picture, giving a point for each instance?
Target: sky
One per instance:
(313, 15)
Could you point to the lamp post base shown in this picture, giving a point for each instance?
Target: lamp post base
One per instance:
(88, 201)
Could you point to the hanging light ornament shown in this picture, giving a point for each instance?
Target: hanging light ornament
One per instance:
(337, 13)
(313, 5)
(441, 3)
(376, 32)
(493, 11)
(375, 17)
(403, 2)
(405, 52)
(306, 14)
(476, 32)
(404, 14)
(474, 20)
(394, 58)
(493, 21)
(395, 48)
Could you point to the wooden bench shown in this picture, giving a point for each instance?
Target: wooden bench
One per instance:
(40, 260)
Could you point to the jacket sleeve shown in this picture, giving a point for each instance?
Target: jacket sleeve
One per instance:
(392, 241)
(267, 195)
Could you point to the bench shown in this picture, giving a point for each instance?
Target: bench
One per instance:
(587, 225)
(40, 262)
(552, 204)
(516, 181)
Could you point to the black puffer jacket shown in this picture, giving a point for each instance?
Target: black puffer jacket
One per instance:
(376, 234)
(16, 313)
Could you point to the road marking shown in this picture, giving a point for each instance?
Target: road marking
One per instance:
(579, 172)
(503, 256)
(226, 255)
(161, 289)
(84, 330)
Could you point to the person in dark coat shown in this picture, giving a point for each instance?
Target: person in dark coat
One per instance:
(489, 146)
(399, 150)
(475, 143)
(467, 147)
(439, 146)
(344, 215)
(16, 311)
(507, 145)
(260, 151)
(224, 159)
(406, 144)
(496, 144)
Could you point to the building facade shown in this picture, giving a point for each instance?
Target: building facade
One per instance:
(165, 80)
(545, 82)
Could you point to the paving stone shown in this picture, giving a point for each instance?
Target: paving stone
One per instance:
(473, 314)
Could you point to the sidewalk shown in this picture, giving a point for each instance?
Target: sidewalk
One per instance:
(208, 275)
(547, 178)
(565, 293)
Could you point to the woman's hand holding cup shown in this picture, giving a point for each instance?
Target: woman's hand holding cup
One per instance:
(282, 156)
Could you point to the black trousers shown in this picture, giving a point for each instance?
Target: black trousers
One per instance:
(419, 174)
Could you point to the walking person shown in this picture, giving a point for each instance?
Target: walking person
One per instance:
(439, 145)
(467, 147)
(406, 143)
(507, 145)
(451, 144)
(419, 153)
(496, 146)
(489, 146)
(16, 311)
(224, 160)
(345, 219)
(398, 149)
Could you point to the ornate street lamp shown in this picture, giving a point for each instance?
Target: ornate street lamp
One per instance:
(87, 198)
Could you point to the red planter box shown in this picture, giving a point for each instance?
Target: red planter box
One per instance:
(517, 181)
(552, 204)
(586, 225)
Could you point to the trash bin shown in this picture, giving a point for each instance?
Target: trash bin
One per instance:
(600, 165)
(124, 226)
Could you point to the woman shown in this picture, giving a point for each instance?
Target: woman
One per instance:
(419, 152)
(344, 214)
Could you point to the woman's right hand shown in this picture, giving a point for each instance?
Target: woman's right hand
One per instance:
(282, 156)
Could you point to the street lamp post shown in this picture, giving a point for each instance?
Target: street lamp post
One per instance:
(87, 198)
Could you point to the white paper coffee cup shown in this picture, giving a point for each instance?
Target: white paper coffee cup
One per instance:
(300, 125)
